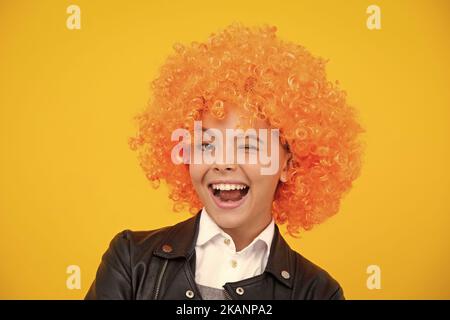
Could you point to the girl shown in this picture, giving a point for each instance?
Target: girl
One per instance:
(240, 80)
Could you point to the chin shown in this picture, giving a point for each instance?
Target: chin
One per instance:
(228, 219)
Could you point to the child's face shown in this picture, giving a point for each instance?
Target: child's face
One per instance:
(248, 209)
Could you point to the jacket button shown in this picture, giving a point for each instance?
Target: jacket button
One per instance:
(285, 274)
(240, 291)
(190, 294)
(167, 248)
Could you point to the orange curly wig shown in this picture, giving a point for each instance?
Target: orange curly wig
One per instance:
(269, 79)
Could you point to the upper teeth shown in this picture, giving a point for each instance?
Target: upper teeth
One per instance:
(222, 186)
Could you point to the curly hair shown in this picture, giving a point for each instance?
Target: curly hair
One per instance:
(270, 79)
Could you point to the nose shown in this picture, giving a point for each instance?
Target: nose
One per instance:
(227, 167)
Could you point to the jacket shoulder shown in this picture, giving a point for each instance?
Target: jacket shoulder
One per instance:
(141, 238)
(143, 242)
(114, 275)
(313, 282)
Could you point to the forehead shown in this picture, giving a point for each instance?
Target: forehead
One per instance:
(233, 118)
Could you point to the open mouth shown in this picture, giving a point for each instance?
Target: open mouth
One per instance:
(228, 196)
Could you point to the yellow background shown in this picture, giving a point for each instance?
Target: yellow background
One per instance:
(69, 182)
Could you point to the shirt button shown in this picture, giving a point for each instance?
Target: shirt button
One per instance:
(226, 241)
(190, 294)
(233, 263)
(285, 274)
(240, 291)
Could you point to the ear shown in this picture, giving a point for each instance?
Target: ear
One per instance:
(285, 168)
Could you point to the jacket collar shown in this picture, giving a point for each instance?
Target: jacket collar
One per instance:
(181, 240)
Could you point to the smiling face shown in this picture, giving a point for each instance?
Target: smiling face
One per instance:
(237, 196)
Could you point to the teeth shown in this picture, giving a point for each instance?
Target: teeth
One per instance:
(222, 186)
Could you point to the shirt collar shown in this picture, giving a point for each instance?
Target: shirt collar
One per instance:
(209, 230)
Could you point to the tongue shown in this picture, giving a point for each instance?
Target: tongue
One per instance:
(233, 195)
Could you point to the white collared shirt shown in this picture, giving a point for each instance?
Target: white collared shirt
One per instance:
(217, 261)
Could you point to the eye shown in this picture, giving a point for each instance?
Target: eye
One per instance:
(206, 146)
(248, 147)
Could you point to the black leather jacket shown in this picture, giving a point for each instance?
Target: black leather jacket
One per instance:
(160, 264)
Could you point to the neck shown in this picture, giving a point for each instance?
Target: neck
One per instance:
(244, 235)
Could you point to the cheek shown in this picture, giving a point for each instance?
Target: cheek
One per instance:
(197, 172)
(259, 181)
(263, 186)
(193, 172)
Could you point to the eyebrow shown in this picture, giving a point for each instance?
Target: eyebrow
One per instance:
(244, 136)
